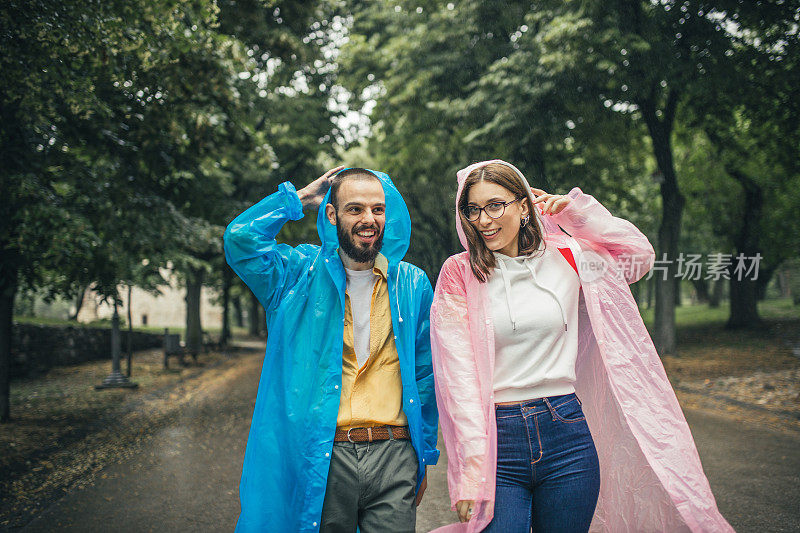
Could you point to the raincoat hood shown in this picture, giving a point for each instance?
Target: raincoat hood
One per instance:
(396, 232)
(462, 178)
(500, 259)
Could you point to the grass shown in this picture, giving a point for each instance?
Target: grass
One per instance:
(703, 315)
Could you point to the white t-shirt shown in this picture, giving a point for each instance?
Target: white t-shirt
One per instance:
(532, 300)
(360, 284)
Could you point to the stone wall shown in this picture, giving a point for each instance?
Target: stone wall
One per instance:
(36, 349)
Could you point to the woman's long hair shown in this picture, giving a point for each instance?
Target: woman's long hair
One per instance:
(481, 259)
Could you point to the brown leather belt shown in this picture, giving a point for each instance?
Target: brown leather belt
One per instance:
(372, 434)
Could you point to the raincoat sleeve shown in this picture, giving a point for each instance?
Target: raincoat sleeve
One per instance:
(268, 268)
(464, 427)
(585, 218)
(424, 376)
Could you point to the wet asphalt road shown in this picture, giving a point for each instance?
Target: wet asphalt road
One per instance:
(186, 477)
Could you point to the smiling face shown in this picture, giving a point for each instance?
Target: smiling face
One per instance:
(360, 218)
(501, 234)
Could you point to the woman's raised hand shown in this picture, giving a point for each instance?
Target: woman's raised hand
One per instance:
(553, 203)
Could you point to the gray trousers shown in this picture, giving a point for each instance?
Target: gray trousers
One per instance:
(371, 485)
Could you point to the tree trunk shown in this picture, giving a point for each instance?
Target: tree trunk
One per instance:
(764, 277)
(672, 202)
(238, 317)
(227, 280)
(716, 294)
(783, 283)
(78, 304)
(744, 312)
(255, 316)
(636, 292)
(8, 289)
(701, 287)
(744, 289)
(194, 331)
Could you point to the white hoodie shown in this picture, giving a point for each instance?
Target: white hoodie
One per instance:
(533, 299)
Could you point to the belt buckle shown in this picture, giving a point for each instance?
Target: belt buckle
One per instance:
(369, 434)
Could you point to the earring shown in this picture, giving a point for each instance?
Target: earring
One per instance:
(524, 221)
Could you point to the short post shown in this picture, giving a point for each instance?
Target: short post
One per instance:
(115, 379)
(166, 348)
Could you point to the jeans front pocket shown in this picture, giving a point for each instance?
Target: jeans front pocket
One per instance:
(568, 411)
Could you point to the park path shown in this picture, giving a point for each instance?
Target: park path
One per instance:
(185, 478)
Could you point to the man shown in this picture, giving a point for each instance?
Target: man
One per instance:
(345, 421)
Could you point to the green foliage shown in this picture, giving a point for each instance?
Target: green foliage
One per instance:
(134, 131)
(459, 82)
(751, 134)
(595, 94)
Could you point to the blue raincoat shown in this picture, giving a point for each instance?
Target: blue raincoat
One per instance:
(302, 289)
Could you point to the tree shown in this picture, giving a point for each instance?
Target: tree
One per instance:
(410, 61)
(115, 150)
(453, 84)
(67, 94)
(752, 124)
(510, 79)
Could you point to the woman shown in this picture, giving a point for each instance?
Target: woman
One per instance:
(549, 389)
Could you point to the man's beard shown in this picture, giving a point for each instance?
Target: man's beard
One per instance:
(352, 249)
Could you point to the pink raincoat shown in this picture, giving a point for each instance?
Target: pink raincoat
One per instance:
(651, 476)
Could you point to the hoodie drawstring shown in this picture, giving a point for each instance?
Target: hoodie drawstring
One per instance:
(507, 286)
(396, 297)
(560, 307)
(314, 263)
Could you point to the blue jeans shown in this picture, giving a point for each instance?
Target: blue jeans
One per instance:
(548, 477)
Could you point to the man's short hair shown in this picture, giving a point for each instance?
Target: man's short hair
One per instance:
(348, 174)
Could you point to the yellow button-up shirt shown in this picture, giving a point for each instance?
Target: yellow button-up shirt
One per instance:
(373, 394)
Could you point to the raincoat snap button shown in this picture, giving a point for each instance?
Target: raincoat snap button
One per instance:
(314, 524)
(327, 454)
(411, 400)
(336, 387)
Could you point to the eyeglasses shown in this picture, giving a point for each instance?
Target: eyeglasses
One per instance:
(494, 210)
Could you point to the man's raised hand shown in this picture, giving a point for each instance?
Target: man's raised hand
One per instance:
(312, 194)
